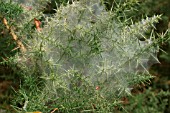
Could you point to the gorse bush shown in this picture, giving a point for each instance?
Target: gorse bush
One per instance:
(11, 12)
(83, 59)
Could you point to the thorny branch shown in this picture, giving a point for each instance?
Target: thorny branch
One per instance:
(14, 36)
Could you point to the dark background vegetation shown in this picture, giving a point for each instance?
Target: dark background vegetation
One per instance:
(161, 71)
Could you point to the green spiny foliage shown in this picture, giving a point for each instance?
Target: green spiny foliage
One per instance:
(166, 53)
(83, 60)
(10, 11)
(148, 101)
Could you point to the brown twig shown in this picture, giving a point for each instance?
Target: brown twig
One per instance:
(14, 36)
(55, 109)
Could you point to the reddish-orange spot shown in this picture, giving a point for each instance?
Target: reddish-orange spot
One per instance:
(97, 87)
(37, 24)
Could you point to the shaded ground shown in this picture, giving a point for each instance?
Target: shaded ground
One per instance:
(8, 83)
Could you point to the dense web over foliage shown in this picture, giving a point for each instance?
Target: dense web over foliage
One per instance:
(85, 38)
